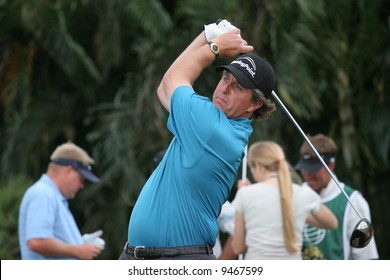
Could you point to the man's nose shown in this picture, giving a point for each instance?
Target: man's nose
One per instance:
(226, 88)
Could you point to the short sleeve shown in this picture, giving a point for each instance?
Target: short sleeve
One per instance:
(40, 216)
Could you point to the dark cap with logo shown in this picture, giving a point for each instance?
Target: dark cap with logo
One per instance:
(325, 146)
(311, 164)
(252, 71)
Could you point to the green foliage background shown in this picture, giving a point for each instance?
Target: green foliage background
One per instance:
(87, 71)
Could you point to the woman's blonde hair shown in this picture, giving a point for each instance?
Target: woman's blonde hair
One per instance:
(271, 156)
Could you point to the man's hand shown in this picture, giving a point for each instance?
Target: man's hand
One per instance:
(87, 251)
(243, 183)
(231, 44)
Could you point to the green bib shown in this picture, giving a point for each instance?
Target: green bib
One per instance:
(330, 242)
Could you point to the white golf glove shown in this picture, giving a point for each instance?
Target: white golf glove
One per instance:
(225, 25)
(219, 27)
(94, 238)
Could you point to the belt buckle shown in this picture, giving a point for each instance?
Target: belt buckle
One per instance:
(209, 250)
(135, 252)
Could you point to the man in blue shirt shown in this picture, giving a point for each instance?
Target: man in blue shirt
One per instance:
(47, 229)
(175, 216)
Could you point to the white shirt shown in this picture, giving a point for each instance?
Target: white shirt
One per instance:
(225, 224)
(260, 206)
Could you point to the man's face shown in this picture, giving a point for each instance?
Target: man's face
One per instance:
(75, 182)
(234, 100)
(318, 180)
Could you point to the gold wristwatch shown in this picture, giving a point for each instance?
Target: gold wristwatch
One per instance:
(214, 48)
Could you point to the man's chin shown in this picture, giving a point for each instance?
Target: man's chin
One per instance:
(314, 187)
(218, 105)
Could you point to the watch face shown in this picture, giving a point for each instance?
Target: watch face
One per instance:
(214, 48)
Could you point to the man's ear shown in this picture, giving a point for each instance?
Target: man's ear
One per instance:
(68, 169)
(255, 105)
(332, 165)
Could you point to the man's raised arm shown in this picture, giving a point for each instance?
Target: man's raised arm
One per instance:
(197, 56)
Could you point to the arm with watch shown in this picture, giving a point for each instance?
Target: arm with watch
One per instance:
(201, 52)
(214, 48)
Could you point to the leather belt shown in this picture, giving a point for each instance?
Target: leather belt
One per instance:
(141, 253)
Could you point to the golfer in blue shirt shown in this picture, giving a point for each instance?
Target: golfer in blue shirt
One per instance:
(175, 216)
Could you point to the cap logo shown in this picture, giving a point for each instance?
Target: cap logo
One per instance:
(251, 69)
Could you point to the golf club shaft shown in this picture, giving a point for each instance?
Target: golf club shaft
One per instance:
(315, 151)
(243, 177)
(244, 163)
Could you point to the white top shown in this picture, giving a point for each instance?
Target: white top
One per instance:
(225, 224)
(259, 204)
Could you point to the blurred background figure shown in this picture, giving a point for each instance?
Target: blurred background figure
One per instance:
(47, 228)
(225, 225)
(270, 214)
(334, 244)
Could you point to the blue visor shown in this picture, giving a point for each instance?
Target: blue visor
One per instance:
(84, 170)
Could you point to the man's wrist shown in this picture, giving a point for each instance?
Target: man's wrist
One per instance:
(214, 48)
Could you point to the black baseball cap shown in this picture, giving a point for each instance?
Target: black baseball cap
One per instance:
(326, 148)
(252, 71)
(312, 164)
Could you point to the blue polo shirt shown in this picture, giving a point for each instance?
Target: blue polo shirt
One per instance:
(44, 213)
(180, 203)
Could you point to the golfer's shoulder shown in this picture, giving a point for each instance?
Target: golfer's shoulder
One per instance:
(185, 96)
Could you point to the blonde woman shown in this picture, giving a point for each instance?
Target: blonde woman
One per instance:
(270, 214)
